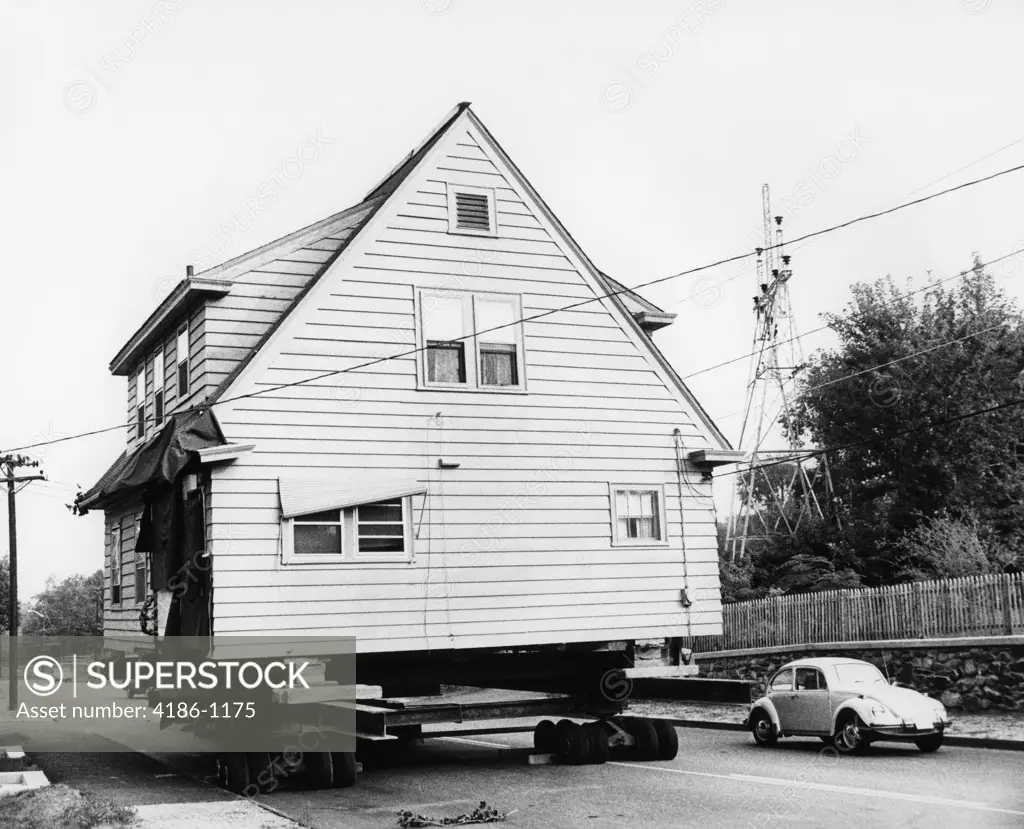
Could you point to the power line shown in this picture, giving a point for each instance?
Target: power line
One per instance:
(854, 316)
(624, 290)
(812, 453)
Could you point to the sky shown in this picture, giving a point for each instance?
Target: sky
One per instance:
(132, 133)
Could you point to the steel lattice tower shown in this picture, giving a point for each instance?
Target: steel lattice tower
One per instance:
(776, 360)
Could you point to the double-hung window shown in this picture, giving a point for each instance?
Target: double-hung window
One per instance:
(115, 564)
(182, 357)
(158, 387)
(347, 520)
(472, 341)
(638, 515)
(140, 402)
(141, 566)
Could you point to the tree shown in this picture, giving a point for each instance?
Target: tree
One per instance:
(904, 363)
(66, 608)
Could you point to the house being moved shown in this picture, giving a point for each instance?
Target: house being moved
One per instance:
(386, 426)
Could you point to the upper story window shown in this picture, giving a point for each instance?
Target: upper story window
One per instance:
(638, 515)
(140, 402)
(376, 532)
(115, 564)
(472, 210)
(158, 387)
(453, 357)
(183, 362)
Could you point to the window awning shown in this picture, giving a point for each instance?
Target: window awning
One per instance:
(302, 496)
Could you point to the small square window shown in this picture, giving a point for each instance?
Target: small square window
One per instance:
(375, 532)
(318, 534)
(380, 527)
(638, 515)
(446, 362)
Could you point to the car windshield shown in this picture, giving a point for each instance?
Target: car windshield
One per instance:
(852, 673)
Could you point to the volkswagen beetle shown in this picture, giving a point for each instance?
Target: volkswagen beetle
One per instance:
(845, 702)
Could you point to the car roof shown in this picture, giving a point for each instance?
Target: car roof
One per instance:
(823, 662)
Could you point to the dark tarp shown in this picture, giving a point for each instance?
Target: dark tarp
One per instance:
(173, 528)
(158, 461)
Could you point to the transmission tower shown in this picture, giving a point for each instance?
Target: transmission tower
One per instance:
(763, 506)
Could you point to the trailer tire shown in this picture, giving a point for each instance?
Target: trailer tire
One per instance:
(344, 767)
(233, 772)
(668, 739)
(598, 737)
(319, 770)
(261, 773)
(545, 737)
(573, 743)
(642, 730)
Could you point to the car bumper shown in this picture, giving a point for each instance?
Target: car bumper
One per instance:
(909, 730)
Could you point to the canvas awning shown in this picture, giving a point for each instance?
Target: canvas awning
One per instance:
(303, 496)
(158, 461)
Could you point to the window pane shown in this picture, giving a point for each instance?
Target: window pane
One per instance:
(313, 539)
(158, 406)
(367, 530)
(634, 504)
(381, 511)
(182, 379)
(620, 504)
(183, 345)
(382, 545)
(623, 528)
(446, 363)
(442, 317)
(646, 508)
(331, 516)
(493, 313)
(158, 370)
(498, 365)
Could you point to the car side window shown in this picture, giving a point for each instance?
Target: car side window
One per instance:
(810, 679)
(782, 681)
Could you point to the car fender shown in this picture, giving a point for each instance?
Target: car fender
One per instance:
(859, 705)
(765, 704)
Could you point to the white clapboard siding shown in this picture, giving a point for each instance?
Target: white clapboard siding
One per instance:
(515, 546)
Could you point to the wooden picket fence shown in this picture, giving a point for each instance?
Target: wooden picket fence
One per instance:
(990, 605)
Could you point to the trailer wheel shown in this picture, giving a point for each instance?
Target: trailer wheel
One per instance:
(642, 729)
(573, 743)
(344, 767)
(598, 737)
(233, 771)
(545, 737)
(319, 770)
(261, 773)
(668, 740)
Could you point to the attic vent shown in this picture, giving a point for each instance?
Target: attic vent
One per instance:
(472, 212)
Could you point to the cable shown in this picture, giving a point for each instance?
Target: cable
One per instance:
(812, 453)
(624, 290)
(879, 366)
(854, 316)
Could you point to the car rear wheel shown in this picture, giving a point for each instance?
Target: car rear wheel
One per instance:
(763, 730)
(850, 736)
(933, 742)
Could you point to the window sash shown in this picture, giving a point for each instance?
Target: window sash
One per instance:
(441, 368)
(367, 533)
(380, 534)
(638, 515)
(183, 362)
(115, 565)
(140, 402)
(141, 577)
(499, 365)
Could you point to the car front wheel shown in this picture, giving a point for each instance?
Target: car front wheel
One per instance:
(850, 736)
(933, 742)
(763, 730)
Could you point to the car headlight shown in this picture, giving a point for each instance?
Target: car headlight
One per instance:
(881, 712)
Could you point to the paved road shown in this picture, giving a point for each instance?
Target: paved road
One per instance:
(719, 779)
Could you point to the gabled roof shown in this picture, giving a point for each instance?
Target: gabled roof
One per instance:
(628, 303)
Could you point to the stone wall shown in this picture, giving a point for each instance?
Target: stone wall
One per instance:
(965, 675)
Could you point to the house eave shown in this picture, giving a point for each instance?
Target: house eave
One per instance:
(166, 315)
(222, 454)
(652, 321)
(711, 458)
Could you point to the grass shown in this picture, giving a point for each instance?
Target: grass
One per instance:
(61, 807)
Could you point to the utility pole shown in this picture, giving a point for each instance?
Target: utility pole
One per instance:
(12, 462)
